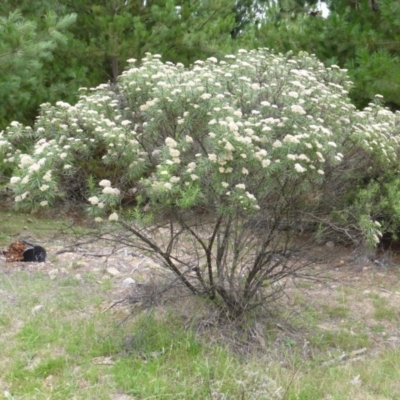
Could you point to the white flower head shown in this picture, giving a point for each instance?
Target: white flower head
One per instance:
(110, 190)
(171, 143)
(265, 163)
(299, 168)
(105, 183)
(251, 196)
(175, 179)
(113, 217)
(212, 157)
(229, 147)
(297, 109)
(205, 96)
(174, 152)
(277, 144)
(26, 160)
(291, 139)
(93, 200)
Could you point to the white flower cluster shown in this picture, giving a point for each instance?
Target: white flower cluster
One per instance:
(105, 199)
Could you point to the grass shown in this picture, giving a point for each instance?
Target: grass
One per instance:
(15, 225)
(68, 348)
(336, 311)
(383, 311)
(342, 340)
(51, 354)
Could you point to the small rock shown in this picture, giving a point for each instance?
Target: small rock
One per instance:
(53, 272)
(80, 264)
(330, 245)
(120, 397)
(29, 220)
(151, 264)
(48, 381)
(37, 309)
(83, 383)
(129, 343)
(356, 380)
(78, 277)
(113, 271)
(128, 282)
(76, 369)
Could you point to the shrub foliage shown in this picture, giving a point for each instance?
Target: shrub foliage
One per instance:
(231, 159)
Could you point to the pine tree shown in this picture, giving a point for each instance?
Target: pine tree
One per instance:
(24, 47)
(105, 35)
(360, 36)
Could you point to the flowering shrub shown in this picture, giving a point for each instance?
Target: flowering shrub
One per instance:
(258, 136)
(232, 130)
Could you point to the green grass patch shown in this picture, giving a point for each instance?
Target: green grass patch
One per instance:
(336, 311)
(383, 311)
(169, 362)
(14, 225)
(341, 339)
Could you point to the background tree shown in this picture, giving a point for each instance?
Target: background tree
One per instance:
(360, 36)
(25, 47)
(106, 34)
